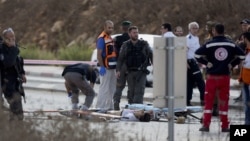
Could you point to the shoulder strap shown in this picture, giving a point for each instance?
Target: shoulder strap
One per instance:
(143, 43)
(128, 46)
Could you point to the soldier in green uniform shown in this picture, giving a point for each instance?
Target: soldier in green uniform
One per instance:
(137, 55)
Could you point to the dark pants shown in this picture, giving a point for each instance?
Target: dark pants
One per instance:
(13, 96)
(194, 76)
(136, 85)
(120, 84)
(76, 81)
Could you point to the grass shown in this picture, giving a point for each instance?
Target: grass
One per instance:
(76, 52)
(31, 51)
(79, 52)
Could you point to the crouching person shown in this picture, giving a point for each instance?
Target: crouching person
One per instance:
(76, 78)
(12, 74)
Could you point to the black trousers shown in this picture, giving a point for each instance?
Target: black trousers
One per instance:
(194, 76)
(13, 96)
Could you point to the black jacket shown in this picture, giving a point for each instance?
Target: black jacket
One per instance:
(221, 52)
(84, 69)
(11, 64)
(119, 41)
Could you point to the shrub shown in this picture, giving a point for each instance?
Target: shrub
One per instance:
(76, 52)
(31, 51)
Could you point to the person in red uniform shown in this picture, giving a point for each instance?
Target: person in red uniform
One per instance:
(219, 55)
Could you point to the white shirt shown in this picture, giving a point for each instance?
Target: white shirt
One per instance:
(128, 115)
(192, 45)
(246, 62)
(169, 34)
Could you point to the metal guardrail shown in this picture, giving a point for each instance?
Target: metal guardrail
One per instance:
(55, 62)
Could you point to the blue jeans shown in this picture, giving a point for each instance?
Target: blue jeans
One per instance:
(246, 98)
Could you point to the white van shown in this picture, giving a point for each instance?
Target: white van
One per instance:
(147, 37)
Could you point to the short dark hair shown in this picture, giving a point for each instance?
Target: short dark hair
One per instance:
(219, 28)
(247, 35)
(210, 25)
(132, 27)
(145, 118)
(167, 26)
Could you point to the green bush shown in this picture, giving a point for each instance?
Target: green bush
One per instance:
(76, 52)
(31, 51)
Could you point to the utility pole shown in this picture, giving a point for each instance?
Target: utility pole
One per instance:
(170, 85)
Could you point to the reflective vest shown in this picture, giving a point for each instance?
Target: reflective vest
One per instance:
(245, 71)
(109, 59)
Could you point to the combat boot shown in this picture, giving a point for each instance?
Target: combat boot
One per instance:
(116, 106)
(204, 129)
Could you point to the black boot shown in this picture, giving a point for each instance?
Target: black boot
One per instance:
(204, 129)
(116, 106)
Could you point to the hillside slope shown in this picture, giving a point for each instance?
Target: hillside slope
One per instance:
(52, 23)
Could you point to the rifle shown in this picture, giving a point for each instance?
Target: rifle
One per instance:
(18, 67)
(145, 64)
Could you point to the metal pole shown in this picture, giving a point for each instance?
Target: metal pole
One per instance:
(170, 86)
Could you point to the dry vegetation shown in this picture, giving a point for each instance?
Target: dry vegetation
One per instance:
(51, 23)
(41, 128)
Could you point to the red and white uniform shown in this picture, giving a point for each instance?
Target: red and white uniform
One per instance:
(219, 55)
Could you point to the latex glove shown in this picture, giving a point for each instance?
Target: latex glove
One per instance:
(102, 71)
(70, 94)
